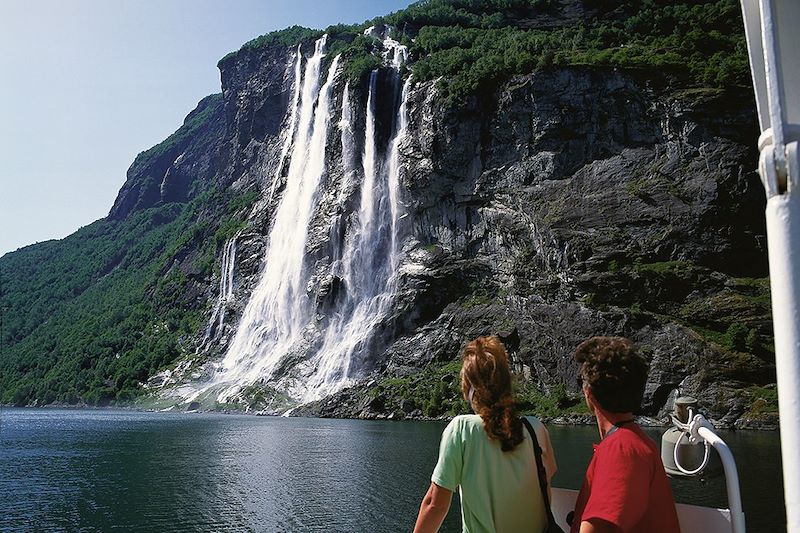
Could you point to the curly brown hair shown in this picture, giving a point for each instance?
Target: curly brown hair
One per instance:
(485, 369)
(614, 371)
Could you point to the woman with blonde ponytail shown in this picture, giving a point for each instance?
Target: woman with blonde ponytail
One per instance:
(489, 455)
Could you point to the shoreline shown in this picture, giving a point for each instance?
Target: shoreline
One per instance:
(561, 420)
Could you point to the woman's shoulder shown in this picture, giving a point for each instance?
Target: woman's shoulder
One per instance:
(465, 424)
(467, 420)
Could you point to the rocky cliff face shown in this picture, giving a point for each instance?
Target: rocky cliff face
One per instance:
(584, 202)
(569, 202)
(177, 169)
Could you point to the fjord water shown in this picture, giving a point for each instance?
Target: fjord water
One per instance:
(81, 470)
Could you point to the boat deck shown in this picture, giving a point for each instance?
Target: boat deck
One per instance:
(693, 518)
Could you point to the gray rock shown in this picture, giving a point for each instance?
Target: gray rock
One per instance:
(535, 215)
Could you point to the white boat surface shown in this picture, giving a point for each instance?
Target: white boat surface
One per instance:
(692, 518)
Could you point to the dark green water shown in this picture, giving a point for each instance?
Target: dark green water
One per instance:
(112, 470)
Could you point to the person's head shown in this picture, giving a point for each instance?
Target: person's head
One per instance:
(485, 371)
(613, 373)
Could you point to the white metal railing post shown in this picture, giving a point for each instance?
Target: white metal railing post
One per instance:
(773, 42)
(783, 241)
(701, 429)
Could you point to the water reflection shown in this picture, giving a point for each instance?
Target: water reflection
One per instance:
(101, 470)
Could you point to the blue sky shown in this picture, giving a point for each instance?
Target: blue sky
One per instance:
(85, 85)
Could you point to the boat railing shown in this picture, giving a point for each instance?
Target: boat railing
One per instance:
(700, 430)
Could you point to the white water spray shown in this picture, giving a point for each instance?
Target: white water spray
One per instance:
(370, 263)
(337, 228)
(348, 143)
(225, 286)
(394, 166)
(281, 319)
(279, 307)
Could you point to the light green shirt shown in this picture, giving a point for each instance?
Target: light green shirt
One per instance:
(499, 490)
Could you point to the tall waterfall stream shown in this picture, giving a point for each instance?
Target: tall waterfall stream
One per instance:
(283, 341)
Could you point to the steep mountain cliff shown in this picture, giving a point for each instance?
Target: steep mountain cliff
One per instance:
(355, 206)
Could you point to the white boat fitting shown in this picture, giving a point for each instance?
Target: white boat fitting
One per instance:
(700, 432)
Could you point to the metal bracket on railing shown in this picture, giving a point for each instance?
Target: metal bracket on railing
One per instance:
(679, 444)
(773, 180)
(686, 432)
(778, 163)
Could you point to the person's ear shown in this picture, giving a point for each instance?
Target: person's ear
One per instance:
(590, 401)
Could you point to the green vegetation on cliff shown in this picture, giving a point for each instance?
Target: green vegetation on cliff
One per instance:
(184, 135)
(475, 45)
(733, 313)
(97, 313)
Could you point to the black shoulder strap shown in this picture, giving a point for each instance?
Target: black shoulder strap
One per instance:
(537, 451)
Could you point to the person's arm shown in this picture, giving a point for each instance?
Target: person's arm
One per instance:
(596, 525)
(548, 454)
(433, 509)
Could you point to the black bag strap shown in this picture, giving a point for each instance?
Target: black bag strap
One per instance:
(537, 451)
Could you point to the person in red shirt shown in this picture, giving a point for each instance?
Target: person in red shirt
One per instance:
(625, 488)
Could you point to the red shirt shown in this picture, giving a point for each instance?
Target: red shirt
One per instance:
(626, 485)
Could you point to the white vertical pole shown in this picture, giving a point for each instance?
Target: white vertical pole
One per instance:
(773, 42)
(783, 239)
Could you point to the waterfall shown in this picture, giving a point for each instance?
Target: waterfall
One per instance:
(369, 262)
(279, 307)
(225, 286)
(369, 159)
(325, 344)
(394, 168)
(289, 131)
(348, 144)
(349, 170)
